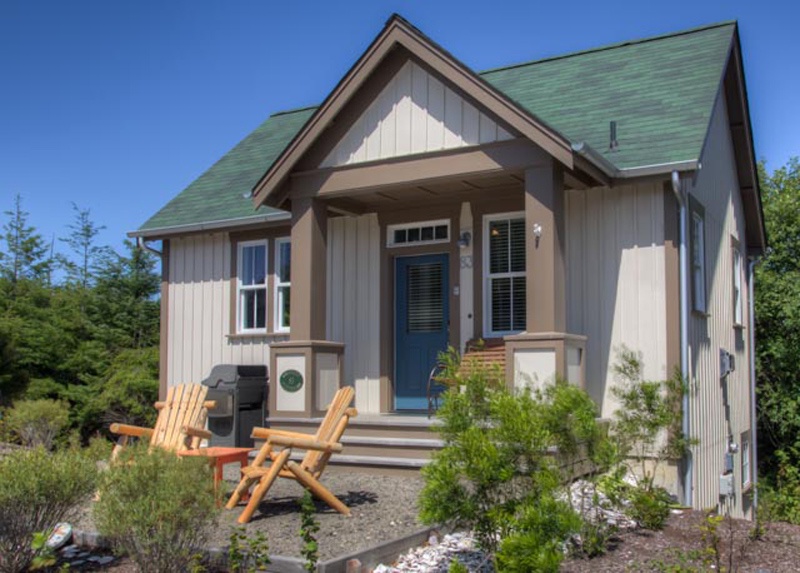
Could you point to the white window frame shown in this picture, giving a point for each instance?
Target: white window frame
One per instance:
(738, 295)
(698, 267)
(240, 288)
(747, 459)
(390, 229)
(279, 285)
(487, 277)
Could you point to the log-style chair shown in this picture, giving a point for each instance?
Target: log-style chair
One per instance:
(307, 472)
(180, 424)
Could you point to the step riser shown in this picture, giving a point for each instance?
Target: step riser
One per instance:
(384, 451)
(368, 431)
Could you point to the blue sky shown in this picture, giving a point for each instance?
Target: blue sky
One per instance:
(117, 106)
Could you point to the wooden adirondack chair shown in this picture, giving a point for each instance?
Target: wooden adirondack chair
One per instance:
(318, 447)
(180, 424)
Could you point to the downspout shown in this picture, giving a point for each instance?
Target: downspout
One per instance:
(142, 244)
(684, 343)
(752, 356)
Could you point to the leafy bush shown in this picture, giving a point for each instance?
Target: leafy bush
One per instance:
(647, 432)
(779, 497)
(156, 507)
(247, 554)
(38, 489)
(38, 422)
(496, 475)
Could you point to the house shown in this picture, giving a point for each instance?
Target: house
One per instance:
(568, 206)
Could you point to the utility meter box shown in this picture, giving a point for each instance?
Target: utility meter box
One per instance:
(726, 484)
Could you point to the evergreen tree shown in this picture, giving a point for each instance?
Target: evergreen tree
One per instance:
(25, 255)
(86, 254)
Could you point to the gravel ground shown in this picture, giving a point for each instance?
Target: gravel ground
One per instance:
(383, 508)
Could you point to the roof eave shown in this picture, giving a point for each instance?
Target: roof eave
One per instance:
(173, 230)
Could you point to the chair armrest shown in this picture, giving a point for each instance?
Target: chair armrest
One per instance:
(134, 431)
(197, 432)
(266, 433)
(305, 444)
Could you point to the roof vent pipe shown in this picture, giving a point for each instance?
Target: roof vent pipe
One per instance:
(613, 143)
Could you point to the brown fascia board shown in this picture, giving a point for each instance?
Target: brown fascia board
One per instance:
(742, 100)
(399, 32)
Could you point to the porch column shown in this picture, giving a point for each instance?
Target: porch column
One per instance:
(545, 350)
(309, 255)
(545, 248)
(306, 371)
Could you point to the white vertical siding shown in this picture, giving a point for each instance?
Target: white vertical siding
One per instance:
(615, 280)
(199, 311)
(353, 305)
(717, 407)
(415, 113)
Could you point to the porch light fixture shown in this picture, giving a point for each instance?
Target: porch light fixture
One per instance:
(464, 239)
(537, 230)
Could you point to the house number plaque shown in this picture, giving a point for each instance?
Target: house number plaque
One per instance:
(291, 380)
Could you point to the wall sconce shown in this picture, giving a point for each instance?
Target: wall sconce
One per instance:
(537, 230)
(464, 239)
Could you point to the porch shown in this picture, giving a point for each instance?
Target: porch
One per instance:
(424, 263)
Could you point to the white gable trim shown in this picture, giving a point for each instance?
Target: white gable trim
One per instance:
(415, 113)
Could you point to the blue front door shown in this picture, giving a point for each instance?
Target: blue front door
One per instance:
(421, 325)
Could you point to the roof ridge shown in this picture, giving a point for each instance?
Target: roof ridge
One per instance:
(611, 46)
(294, 110)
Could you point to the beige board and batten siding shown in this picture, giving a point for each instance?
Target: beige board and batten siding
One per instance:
(199, 313)
(718, 407)
(353, 305)
(615, 281)
(415, 113)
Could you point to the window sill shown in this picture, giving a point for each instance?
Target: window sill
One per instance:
(738, 327)
(700, 313)
(252, 335)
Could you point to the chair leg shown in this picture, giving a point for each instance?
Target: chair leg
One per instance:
(236, 496)
(263, 486)
(317, 488)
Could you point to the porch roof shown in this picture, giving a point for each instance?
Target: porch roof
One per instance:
(660, 91)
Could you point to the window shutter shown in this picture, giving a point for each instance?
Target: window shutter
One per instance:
(425, 306)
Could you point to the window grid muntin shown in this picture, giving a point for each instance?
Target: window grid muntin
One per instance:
(516, 278)
(419, 233)
(251, 294)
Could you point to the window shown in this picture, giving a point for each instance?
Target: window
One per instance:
(252, 286)
(505, 274)
(738, 317)
(425, 232)
(746, 457)
(283, 281)
(698, 257)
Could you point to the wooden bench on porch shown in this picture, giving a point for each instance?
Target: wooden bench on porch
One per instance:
(479, 353)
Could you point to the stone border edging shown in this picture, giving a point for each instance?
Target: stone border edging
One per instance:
(370, 557)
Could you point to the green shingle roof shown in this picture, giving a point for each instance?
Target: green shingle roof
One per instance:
(660, 91)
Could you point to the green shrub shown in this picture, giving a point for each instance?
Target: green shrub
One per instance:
(247, 554)
(779, 497)
(495, 474)
(38, 422)
(156, 507)
(38, 489)
(647, 432)
(649, 507)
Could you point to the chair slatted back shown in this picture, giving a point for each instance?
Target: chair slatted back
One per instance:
(184, 406)
(330, 430)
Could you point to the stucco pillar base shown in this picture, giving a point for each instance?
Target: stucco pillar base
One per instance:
(317, 363)
(534, 359)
